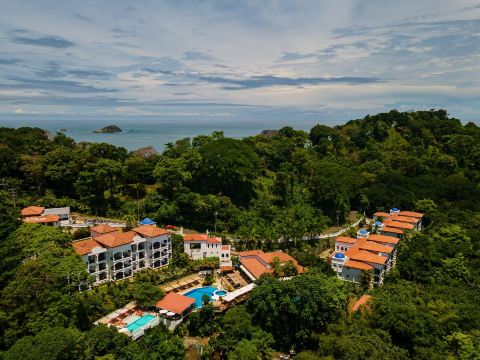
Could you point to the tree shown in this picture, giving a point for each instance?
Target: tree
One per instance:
(291, 310)
(228, 167)
(147, 294)
(55, 343)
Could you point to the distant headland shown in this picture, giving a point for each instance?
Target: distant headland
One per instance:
(110, 129)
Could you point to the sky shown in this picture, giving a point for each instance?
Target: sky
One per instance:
(238, 60)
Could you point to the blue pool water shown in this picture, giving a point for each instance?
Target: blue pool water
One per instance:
(221, 292)
(197, 294)
(144, 320)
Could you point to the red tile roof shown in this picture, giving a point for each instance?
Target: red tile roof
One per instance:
(225, 247)
(385, 239)
(398, 224)
(411, 213)
(357, 265)
(250, 253)
(224, 268)
(363, 301)
(175, 303)
(373, 246)
(202, 237)
(391, 230)
(407, 219)
(195, 237)
(214, 240)
(150, 231)
(346, 239)
(365, 256)
(254, 267)
(83, 247)
(42, 219)
(103, 229)
(251, 261)
(33, 211)
(382, 214)
(115, 239)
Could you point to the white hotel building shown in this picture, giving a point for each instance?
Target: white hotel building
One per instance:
(373, 252)
(202, 246)
(110, 254)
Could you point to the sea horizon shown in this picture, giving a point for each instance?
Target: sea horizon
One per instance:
(141, 132)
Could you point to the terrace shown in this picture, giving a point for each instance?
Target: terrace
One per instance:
(130, 320)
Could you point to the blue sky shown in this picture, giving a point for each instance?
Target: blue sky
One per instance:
(238, 60)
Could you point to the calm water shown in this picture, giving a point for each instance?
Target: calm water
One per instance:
(156, 133)
(197, 294)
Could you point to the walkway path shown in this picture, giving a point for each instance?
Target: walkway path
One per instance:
(334, 234)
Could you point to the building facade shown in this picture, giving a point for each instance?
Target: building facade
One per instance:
(366, 258)
(202, 246)
(110, 254)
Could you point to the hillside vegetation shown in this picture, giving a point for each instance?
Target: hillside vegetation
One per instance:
(260, 189)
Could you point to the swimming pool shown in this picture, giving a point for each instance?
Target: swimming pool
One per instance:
(220, 292)
(144, 320)
(197, 294)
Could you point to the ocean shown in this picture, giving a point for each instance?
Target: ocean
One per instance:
(139, 133)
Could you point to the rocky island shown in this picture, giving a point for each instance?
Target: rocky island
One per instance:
(110, 129)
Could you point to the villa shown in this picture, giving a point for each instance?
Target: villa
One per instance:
(354, 258)
(202, 246)
(49, 217)
(110, 254)
(255, 263)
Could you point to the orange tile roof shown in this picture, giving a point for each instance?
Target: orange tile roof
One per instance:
(383, 239)
(391, 230)
(115, 239)
(150, 231)
(373, 246)
(33, 211)
(407, 219)
(254, 267)
(252, 259)
(357, 265)
(195, 237)
(225, 247)
(214, 240)
(365, 256)
(224, 268)
(346, 239)
(42, 219)
(84, 247)
(382, 214)
(175, 303)
(398, 224)
(363, 301)
(250, 253)
(103, 229)
(411, 213)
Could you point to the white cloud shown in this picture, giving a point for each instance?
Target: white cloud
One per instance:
(153, 52)
(22, 111)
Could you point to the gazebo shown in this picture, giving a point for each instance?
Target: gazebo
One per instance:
(173, 308)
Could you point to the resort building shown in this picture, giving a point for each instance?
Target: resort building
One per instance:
(110, 254)
(202, 246)
(396, 219)
(366, 258)
(49, 217)
(255, 263)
